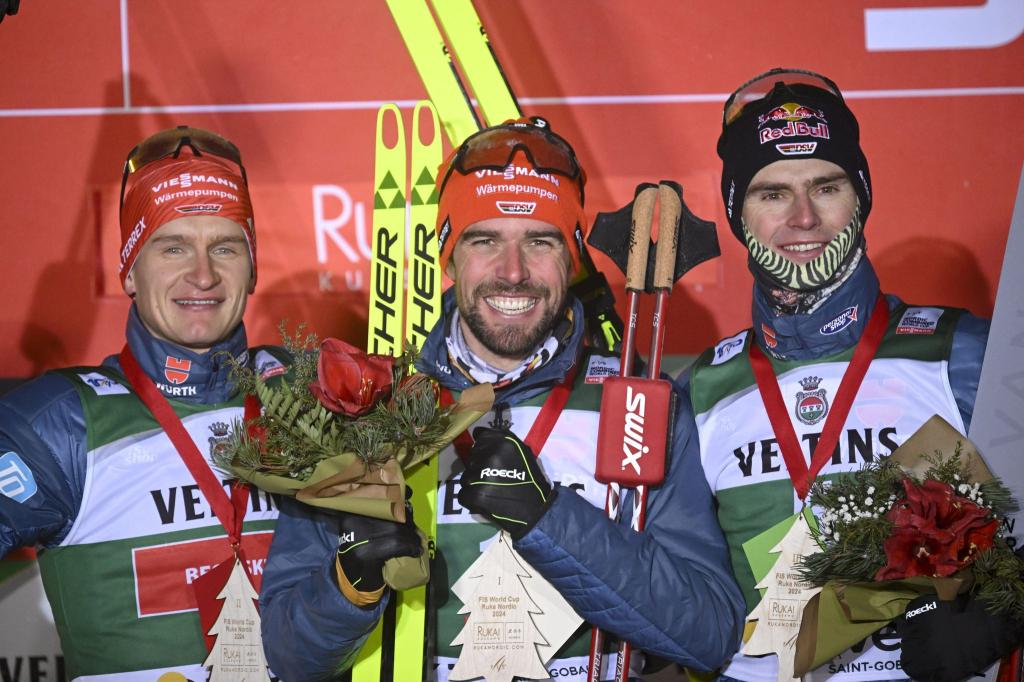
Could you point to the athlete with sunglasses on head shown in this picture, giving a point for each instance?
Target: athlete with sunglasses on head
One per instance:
(510, 229)
(107, 469)
(797, 193)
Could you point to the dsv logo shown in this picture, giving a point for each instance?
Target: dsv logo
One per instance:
(633, 447)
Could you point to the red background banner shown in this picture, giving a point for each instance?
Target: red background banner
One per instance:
(637, 87)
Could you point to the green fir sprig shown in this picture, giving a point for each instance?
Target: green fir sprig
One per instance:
(296, 432)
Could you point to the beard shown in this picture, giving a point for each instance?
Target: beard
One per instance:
(509, 341)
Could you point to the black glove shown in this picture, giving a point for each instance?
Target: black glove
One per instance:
(504, 482)
(945, 641)
(365, 543)
(8, 7)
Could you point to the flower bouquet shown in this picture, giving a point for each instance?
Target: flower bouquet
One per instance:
(338, 430)
(910, 524)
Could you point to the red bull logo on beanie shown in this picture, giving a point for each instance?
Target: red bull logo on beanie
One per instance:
(789, 111)
(798, 123)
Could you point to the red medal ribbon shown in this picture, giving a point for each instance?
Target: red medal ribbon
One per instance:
(775, 407)
(230, 512)
(543, 425)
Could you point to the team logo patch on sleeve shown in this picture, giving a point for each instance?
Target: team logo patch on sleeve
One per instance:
(919, 321)
(16, 479)
(811, 403)
(728, 348)
(102, 385)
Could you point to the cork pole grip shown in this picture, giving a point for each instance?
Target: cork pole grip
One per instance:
(668, 237)
(640, 239)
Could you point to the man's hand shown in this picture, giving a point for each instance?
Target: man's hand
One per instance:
(945, 641)
(504, 482)
(365, 543)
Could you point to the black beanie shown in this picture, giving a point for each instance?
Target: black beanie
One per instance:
(793, 121)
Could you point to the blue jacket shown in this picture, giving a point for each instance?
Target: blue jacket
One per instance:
(43, 433)
(668, 589)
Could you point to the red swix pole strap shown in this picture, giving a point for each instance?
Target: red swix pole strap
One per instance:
(229, 512)
(775, 407)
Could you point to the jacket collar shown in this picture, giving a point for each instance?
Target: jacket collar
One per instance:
(183, 374)
(434, 359)
(835, 326)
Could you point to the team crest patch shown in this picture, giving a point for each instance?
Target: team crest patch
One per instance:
(176, 369)
(811, 403)
(919, 321)
(220, 441)
(102, 385)
(728, 348)
(841, 322)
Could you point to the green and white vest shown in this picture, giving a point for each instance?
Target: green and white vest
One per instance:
(120, 581)
(905, 385)
(569, 458)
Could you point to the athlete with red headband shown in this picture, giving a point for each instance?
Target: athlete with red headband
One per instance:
(510, 230)
(107, 469)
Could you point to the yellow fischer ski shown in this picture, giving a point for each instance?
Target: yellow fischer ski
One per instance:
(394, 267)
(433, 63)
(422, 311)
(384, 322)
(384, 334)
(423, 301)
(475, 55)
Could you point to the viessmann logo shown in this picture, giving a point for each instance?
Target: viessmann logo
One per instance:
(633, 447)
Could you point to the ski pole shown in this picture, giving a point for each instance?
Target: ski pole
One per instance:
(636, 279)
(670, 207)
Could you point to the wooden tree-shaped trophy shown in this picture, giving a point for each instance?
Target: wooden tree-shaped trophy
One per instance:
(236, 656)
(500, 638)
(779, 613)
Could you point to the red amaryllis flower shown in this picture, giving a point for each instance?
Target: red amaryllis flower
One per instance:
(348, 380)
(935, 532)
(257, 432)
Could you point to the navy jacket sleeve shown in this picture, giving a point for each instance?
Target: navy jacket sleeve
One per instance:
(669, 589)
(42, 460)
(965, 358)
(310, 630)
